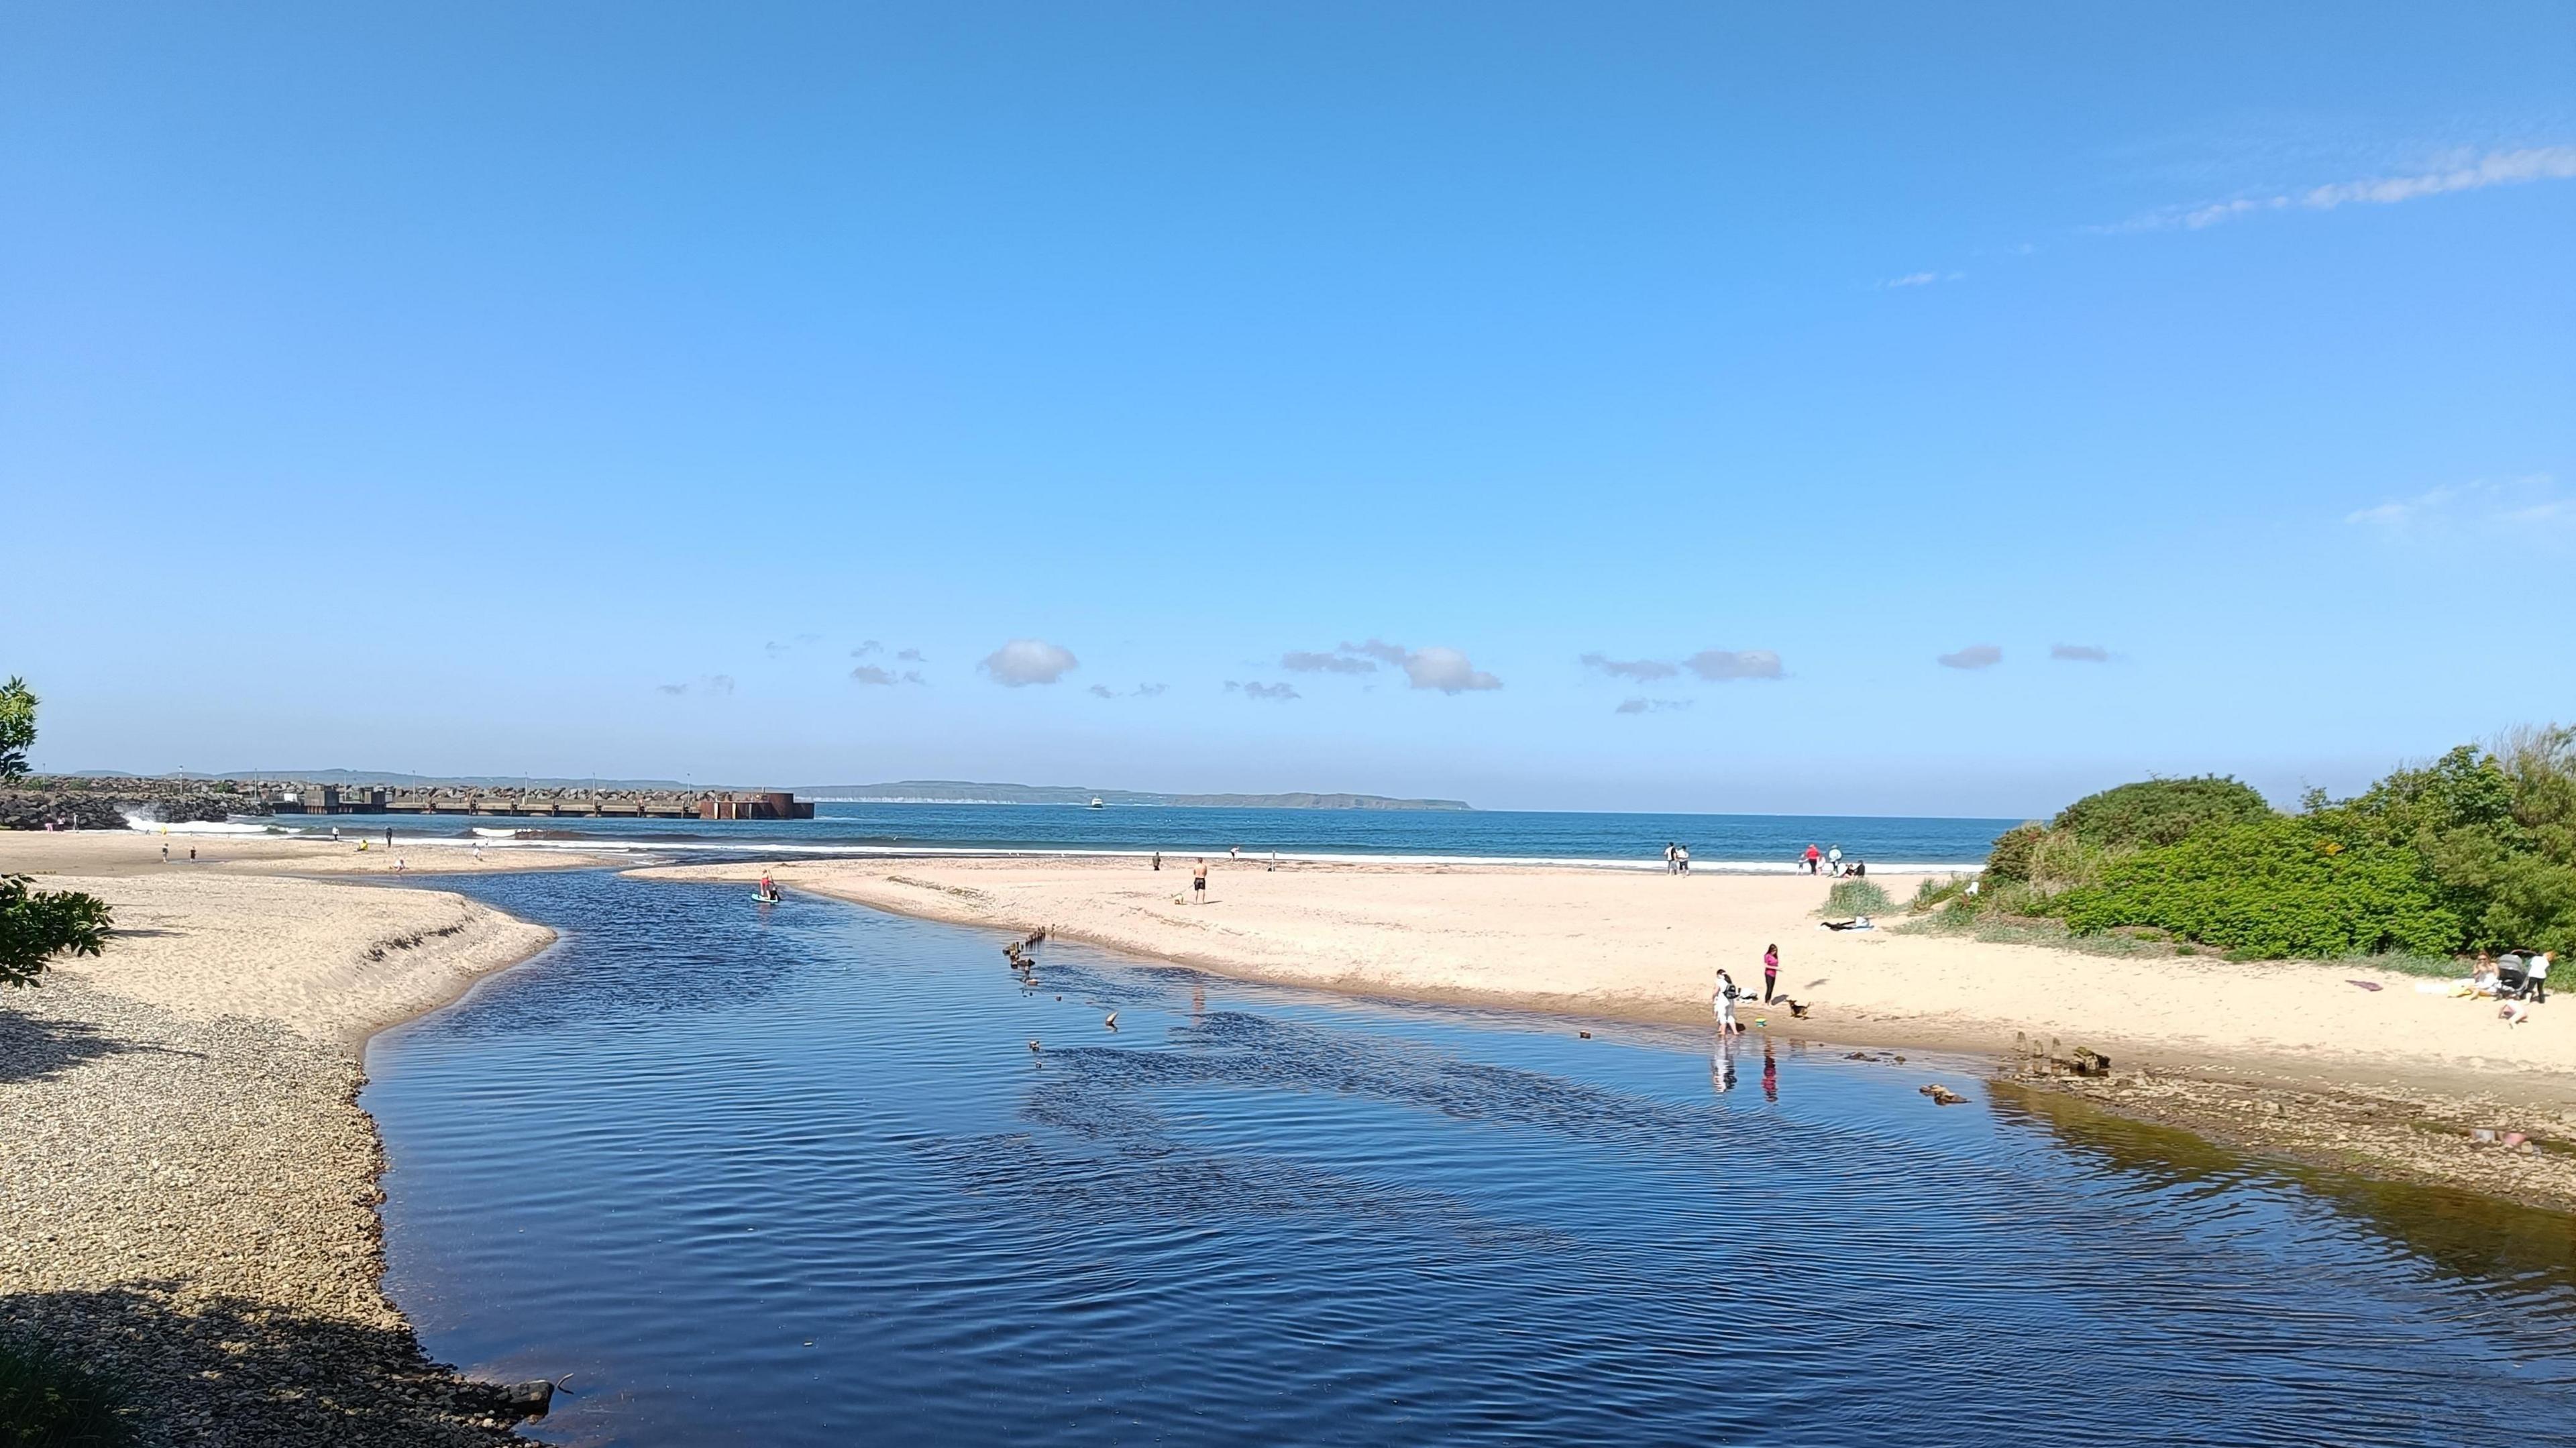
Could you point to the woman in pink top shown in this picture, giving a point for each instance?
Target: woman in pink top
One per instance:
(1770, 972)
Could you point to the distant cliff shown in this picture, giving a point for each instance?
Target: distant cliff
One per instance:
(958, 791)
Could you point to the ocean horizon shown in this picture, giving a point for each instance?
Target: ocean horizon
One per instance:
(1735, 843)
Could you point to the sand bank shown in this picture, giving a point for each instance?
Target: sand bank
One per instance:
(1646, 947)
(191, 1191)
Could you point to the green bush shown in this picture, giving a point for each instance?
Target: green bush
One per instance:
(1936, 891)
(2160, 811)
(2010, 857)
(1856, 897)
(2271, 890)
(46, 1401)
(37, 925)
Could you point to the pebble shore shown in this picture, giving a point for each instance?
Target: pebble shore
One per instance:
(190, 1207)
(189, 1199)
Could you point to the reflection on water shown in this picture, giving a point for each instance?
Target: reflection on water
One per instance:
(2464, 1233)
(797, 1177)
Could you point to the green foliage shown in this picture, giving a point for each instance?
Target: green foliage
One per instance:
(1856, 897)
(37, 925)
(2010, 859)
(2160, 811)
(17, 727)
(1935, 892)
(46, 1401)
(2271, 890)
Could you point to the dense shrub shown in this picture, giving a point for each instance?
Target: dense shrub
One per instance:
(2273, 889)
(2010, 857)
(2160, 811)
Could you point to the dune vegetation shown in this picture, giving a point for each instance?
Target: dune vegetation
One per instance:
(2475, 851)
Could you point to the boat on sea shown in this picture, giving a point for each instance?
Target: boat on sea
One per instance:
(1095, 803)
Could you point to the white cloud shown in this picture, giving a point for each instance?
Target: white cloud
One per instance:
(2525, 511)
(871, 674)
(1305, 662)
(1644, 671)
(1103, 691)
(2468, 173)
(672, 688)
(1446, 670)
(1974, 656)
(1149, 691)
(1028, 661)
(1924, 279)
(1650, 706)
(1141, 691)
(867, 648)
(911, 656)
(2080, 653)
(1262, 691)
(1719, 665)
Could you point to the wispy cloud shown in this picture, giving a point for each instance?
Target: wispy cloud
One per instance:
(1650, 706)
(1974, 656)
(1446, 670)
(873, 675)
(910, 656)
(1141, 691)
(871, 646)
(1644, 671)
(1281, 692)
(1103, 691)
(706, 684)
(1028, 661)
(1720, 665)
(1380, 650)
(2465, 173)
(2080, 653)
(1923, 279)
(1305, 662)
(2529, 510)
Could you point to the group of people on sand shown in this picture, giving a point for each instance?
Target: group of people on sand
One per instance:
(1676, 859)
(1728, 992)
(1831, 862)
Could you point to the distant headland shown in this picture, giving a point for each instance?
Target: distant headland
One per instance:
(907, 791)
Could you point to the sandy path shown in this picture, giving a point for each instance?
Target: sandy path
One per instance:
(1646, 946)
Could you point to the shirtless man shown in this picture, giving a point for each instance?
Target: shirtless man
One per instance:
(1198, 884)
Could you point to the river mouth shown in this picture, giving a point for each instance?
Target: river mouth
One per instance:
(794, 1175)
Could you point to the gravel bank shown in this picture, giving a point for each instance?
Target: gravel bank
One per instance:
(190, 1188)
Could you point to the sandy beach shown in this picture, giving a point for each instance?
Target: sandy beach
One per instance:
(2385, 1079)
(192, 1186)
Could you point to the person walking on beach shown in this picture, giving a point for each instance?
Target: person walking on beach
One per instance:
(389, 837)
(1681, 859)
(1158, 862)
(165, 852)
(1669, 847)
(1725, 1004)
(1770, 972)
(2536, 970)
(1834, 860)
(1198, 884)
(1813, 855)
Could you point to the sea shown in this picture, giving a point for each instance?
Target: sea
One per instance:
(812, 1174)
(1717, 842)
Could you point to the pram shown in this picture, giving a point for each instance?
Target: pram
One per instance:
(2513, 975)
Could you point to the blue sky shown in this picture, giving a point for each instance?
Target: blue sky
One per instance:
(583, 388)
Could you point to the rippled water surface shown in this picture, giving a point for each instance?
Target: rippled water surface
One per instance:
(794, 1176)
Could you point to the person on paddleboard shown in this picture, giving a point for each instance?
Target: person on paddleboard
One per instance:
(768, 890)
